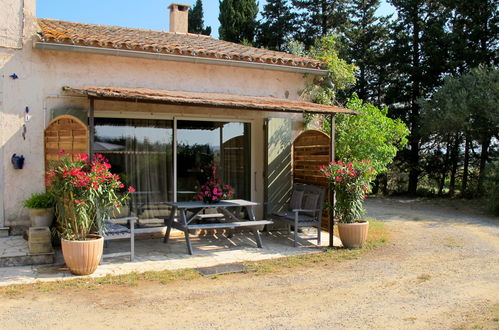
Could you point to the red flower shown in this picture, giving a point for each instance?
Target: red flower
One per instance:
(82, 157)
(338, 179)
(121, 185)
(79, 202)
(131, 189)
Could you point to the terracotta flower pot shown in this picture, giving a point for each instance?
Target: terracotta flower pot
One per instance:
(83, 257)
(353, 235)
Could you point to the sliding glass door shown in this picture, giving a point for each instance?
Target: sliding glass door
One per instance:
(141, 151)
(203, 143)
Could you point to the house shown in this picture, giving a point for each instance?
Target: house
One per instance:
(160, 105)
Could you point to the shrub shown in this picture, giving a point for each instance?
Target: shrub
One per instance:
(39, 201)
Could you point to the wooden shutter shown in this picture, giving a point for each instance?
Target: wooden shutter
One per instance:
(66, 133)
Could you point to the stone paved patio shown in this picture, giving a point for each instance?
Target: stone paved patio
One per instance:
(14, 252)
(152, 255)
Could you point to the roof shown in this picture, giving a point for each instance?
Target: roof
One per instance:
(183, 44)
(218, 100)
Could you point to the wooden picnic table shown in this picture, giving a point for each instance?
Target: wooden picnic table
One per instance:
(228, 213)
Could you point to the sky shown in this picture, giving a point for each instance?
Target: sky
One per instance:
(146, 14)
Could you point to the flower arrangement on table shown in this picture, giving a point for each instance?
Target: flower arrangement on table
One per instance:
(214, 190)
(351, 182)
(86, 193)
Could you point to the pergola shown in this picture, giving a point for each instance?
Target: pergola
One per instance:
(209, 100)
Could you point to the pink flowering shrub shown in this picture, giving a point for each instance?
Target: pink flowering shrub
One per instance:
(214, 190)
(351, 182)
(86, 192)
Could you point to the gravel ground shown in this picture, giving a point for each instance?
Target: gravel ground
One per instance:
(440, 267)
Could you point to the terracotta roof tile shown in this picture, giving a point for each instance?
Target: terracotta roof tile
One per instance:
(218, 100)
(105, 36)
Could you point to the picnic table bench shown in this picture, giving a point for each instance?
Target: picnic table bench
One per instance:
(227, 212)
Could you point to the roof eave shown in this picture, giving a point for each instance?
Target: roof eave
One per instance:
(178, 58)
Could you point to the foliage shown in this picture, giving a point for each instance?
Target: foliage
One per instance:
(364, 43)
(39, 201)
(319, 18)
(214, 190)
(237, 20)
(467, 104)
(341, 75)
(350, 181)
(369, 135)
(277, 25)
(86, 192)
(196, 21)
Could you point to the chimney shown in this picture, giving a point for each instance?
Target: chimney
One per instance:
(179, 17)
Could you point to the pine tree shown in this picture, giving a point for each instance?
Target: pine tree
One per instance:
(238, 20)
(319, 18)
(419, 58)
(279, 22)
(475, 33)
(365, 40)
(196, 21)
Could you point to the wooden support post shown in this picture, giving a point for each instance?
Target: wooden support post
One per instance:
(332, 195)
(91, 129)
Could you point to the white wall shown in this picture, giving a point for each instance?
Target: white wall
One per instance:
(43, 73)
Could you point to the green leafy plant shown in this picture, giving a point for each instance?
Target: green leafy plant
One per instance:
(351, 182)
(86, 192)
(39, 201)
(369, 135)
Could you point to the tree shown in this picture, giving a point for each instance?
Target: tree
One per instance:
(196, 21)
(419, 59)
(474, 28)
(365, 39)
(369, 135)
(469, 104)
(278, 23)
(237, 20)
(319, 18)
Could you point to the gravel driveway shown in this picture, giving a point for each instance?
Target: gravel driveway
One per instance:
(440, 267)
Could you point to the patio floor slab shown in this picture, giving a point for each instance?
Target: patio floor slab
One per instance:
(153, 255)
(14, 252)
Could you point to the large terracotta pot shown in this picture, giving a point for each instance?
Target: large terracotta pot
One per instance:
(83, 257)
(353, 235)
(41, 217)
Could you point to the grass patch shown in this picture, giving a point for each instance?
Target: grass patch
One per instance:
(424, 277)
(377, 237)
(452, 243)
(489, 319)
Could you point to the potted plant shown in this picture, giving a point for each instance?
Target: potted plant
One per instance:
(85, 192)
(213, 191)
(351, 182)
(40, 209)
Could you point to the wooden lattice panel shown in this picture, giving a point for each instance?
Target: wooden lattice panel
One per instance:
(66, 133)
(311, 149)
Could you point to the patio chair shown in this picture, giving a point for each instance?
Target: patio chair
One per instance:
(115, 231)
(305, 209)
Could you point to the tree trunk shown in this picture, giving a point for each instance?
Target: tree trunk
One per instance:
(484, 155)
(414, 115)
(454, 155)
(445, 169)
(464, 185)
